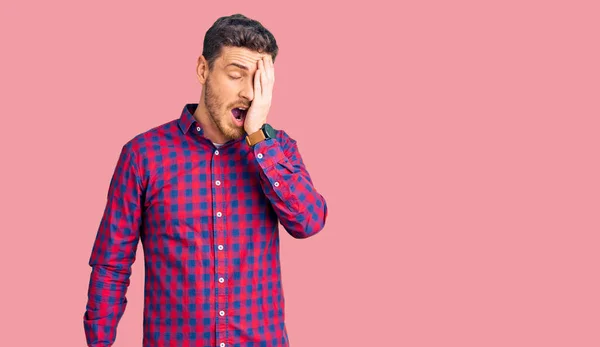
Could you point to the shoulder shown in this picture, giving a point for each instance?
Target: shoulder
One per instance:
(149, 144)
(151, 139)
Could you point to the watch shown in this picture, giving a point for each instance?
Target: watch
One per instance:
(265, 132)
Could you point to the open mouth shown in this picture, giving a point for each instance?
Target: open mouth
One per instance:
(239, 114)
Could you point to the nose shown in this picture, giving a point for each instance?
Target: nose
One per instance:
(247, 91)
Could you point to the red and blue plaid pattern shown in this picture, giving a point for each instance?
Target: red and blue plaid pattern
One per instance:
(208, 222)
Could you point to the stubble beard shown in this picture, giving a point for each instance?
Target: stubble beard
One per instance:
(223, 123)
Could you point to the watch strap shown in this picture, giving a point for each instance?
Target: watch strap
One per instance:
(255, 137)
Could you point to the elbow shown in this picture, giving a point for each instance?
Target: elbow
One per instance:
(305, 233)
(311, 222)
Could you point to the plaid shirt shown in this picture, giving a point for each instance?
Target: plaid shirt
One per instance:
(208, 222)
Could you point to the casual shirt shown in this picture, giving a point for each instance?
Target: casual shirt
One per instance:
(207, 219)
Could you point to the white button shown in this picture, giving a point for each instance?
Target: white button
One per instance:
(218, 183)
(259, 155)
(219, 214)
(276, 184)
(220, 247)
(222, 313)
(221, 280)
(217, 152)
(222, 344)
(198, 128)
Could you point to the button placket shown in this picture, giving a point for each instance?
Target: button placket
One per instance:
(219, 171)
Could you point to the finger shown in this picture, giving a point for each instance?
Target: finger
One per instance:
(272, 68)
(257, 88)
(271, 64)
(269, 69)
(263, 76)
(266, 68)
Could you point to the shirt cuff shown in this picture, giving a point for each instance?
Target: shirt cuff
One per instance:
(269, 152)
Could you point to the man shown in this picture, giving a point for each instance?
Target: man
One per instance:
(204, 193)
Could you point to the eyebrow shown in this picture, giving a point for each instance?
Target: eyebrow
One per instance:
(239, 66)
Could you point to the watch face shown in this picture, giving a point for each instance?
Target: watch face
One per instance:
(269, 131)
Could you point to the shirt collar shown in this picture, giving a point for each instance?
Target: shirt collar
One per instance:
(187, 117)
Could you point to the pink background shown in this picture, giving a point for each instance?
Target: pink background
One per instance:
(456, 144)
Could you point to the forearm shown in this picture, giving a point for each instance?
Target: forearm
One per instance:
(106, 303)
(301, 209)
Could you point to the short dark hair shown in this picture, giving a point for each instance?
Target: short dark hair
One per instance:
(237, 30)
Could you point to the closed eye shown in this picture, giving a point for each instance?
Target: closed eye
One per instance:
(234, 78)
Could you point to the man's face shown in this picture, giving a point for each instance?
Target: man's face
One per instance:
(230, 84)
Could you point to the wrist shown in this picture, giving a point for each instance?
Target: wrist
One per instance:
(253, 129)
(266, 131)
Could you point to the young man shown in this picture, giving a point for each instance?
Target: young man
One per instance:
(204, 193)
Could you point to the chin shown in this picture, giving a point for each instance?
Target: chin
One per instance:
(239, 135)
(235, 133)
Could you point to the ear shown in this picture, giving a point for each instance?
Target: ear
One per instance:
(202, 69)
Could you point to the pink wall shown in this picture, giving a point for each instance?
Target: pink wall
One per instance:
(456, 144)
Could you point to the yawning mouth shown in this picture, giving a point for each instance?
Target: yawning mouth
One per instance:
(239, 113)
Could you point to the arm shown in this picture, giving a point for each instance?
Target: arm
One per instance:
(113, 253)
(287, 184)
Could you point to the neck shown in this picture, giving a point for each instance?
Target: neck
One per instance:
(209, 128)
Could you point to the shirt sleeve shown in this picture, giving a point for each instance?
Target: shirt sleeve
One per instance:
(287, 184)
(114, 252)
